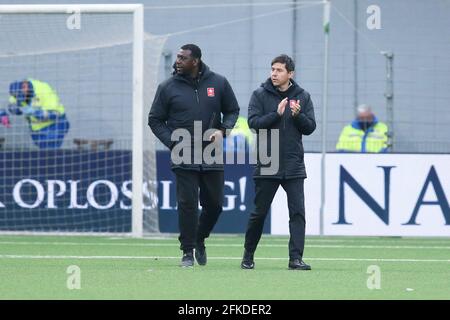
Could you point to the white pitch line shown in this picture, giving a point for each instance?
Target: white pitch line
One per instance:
(100, 244)
(377, 240)
(353, 240)
(54, 257)
(375, 247)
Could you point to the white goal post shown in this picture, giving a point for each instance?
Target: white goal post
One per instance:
(138, 66)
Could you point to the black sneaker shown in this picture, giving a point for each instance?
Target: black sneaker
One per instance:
(200, 253)
(187, 260)
(297, 264)
(247, 260)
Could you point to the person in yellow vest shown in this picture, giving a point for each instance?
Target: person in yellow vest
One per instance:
(364, 134)
(39, 103)
(241, 130)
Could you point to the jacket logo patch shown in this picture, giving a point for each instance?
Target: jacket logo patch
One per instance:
(210, 92)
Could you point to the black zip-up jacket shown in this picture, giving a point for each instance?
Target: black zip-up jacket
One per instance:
(181, 100)
(262, 114)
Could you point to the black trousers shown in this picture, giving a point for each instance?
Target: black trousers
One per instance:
(265, 190)
(195, 229)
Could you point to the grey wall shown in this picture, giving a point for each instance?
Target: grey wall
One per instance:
(417, 32)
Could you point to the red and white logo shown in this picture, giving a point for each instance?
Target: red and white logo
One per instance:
(210, 92)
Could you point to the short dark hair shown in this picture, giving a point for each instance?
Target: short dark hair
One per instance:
(195, 50)
(286, 60)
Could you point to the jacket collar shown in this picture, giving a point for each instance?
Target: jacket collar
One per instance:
(204, 73)
(296, 89)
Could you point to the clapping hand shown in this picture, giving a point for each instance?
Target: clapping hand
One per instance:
(295, 107)
(282, 106)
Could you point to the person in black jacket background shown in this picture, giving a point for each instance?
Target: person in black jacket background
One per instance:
(194, 93)
(280, 104)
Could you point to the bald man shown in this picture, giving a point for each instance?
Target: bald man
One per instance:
(364, 134)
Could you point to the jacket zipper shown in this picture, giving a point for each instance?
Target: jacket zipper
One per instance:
(196, 94)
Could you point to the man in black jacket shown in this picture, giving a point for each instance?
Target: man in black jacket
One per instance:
(280, 104)
(193, 99)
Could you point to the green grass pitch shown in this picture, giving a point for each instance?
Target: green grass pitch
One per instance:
(35, 267)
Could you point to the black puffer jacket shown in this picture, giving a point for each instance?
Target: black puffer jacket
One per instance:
(262, 114)
(180, 100)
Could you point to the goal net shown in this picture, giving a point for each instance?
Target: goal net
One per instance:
(76, 155)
